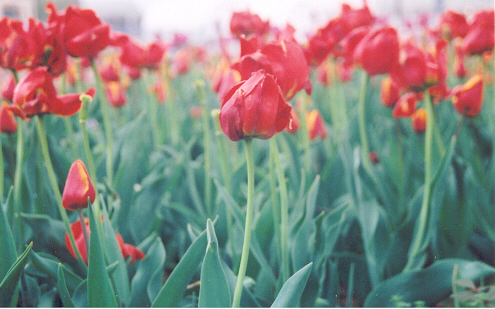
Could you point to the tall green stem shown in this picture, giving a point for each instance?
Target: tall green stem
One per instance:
(365, 148)
(418, 241)
(2, 172)
(106, 122)
(53, 181)
(206, 143)
(275, 201)
(153, 112)
(284, 212)
(248, 227)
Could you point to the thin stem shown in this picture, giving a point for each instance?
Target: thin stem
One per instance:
(248, 227)
(15, 212)
(275, 200)
(305, 139)
(206, 144)
(53, 181)
(153, 111)
(68, 123)
(365, 149)
(2, 172)
(284, 213)
(106, 122)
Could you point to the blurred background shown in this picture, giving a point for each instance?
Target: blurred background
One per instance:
(202, 21)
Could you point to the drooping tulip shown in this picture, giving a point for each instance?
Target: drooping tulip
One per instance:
(254, 108)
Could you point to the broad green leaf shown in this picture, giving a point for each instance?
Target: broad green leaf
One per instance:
(148, 271)
(431, 285)
(80, 295)
(176, 284)
(8, 254)
(119, 277)
(100, 291)
(290, 294)
(9, 282)
(50, 266)
(62, 288)
(30, 291)
(214, 290)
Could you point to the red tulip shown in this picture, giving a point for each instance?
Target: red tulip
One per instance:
(78, 188)
(283, 59)
(137, 56)
(405, 107)
(7, 90)
(326, 39)
(468, 98)
(182, 61)
(378, 51)
(418, 120)
(115, 94)
(351, 40)
(455, 23)
(247, 23)
(315, 125)
(294, 123)
(389, 92)
(8, 124)
(35, 94)
(110, 70)
(254, 108)
(224, 78)
(356, 18)
(127, 250)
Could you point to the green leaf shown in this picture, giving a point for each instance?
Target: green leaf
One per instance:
(431, 285)
(214, 290)
(120, 277)
(149, 272)
(176, 284)
(80, 295)
(290, 294)
(8, 254)
(50, 266)
(62, 288)
(9, 282)
(100, 291)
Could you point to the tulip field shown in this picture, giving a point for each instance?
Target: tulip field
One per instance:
(354, 168)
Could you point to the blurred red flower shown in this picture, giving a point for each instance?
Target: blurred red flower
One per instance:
(378, 51)
(405, 106)
(8, 124)
(389, 92)
(315, 125)
(418, 120)
(254, 108)
(454, 23)
(468, 98)
(7, 90)
(246, 23)
(115, 94)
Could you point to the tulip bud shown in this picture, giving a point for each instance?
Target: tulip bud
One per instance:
(418, 120)
(78, 188)
(468, 98)
(8, 124)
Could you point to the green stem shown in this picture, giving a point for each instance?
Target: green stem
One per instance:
(2, 172)
(53, 182)
(83, 116)
(284, 213)
(106, 122)
(419, 240)
(248, 227)
(275, 202)
(365, 150)
(15, 215)
(305, 140)
(68, 123)
(153, 112)
(199, 84)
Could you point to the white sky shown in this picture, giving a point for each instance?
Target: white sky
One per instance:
(197, 18)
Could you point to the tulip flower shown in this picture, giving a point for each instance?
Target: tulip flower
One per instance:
(405, 106)
(8, 124)
(115, 94)
(135, 55)
(455, 23)
(110, 70)
(283, 59)
(410, 70)
(315, 125)
(182, 61)
(418, 120)
(127, 250)
(322, 44)
(78, 188)
(7, 90)
(246, 23)
(468, 98)
(254, 108)
(224, 78)
(389, 92)
(35, 94)
(294, 123)
(378, 51)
